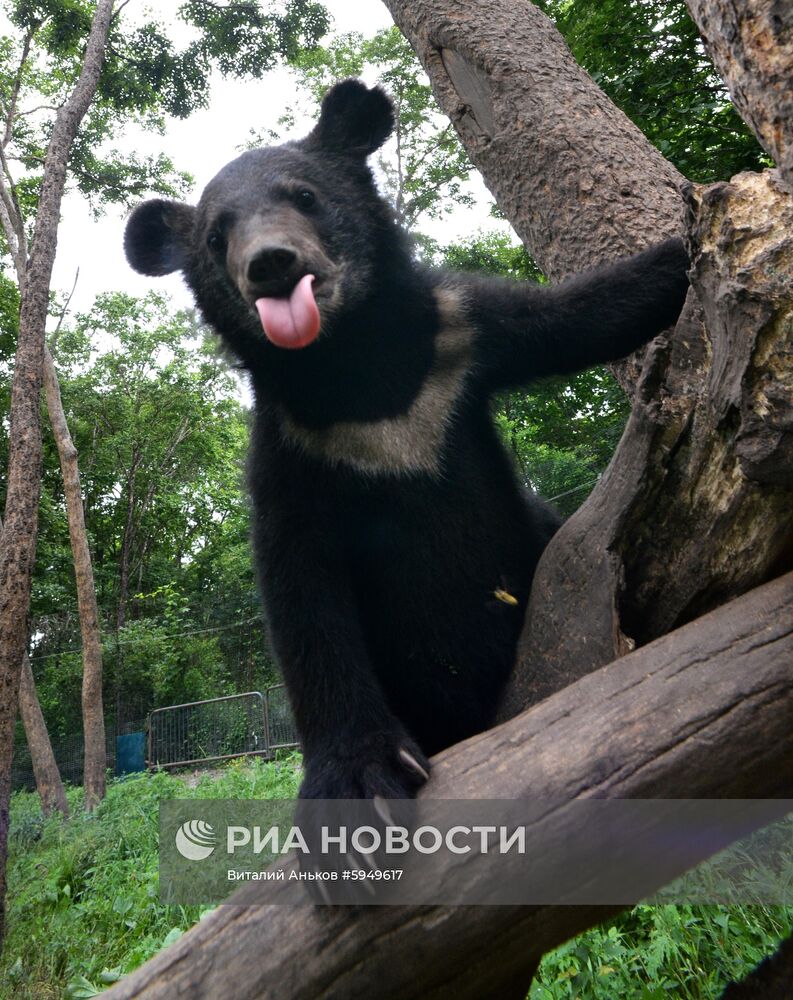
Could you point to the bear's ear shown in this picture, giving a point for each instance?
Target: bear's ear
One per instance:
(354, 119)
(157, 235)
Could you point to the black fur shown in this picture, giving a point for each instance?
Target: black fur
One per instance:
(380, 568)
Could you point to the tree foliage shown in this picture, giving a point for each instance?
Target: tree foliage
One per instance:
(647, 56)
(424, 168)
(157, 419)
(147, 75)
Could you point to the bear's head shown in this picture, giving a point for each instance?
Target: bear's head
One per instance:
(285, 239)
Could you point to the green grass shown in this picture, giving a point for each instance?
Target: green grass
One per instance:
(656, 952)
(83, 908)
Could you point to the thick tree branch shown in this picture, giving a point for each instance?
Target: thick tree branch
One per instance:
(751, 45)
(577, 180)
(659, 723)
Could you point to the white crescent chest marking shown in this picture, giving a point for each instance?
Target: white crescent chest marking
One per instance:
(413, 441)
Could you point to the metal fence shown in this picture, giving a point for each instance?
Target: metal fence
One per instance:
(221, 728)
(69, 755)
(281, 729)
(212, 652)
(253, 723)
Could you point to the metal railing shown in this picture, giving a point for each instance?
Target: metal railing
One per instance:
(280, 723)
(217, 729)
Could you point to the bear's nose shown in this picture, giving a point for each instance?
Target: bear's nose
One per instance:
(271, 264)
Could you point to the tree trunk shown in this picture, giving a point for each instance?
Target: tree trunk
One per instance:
(45, 768)
(751, 45)
(575, 177)
(24, 442)
(661, 723)
(126, 543)
(93, 712)
(697, 505)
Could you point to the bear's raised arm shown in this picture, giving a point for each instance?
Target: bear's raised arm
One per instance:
(527, 332)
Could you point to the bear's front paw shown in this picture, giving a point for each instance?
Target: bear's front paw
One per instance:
(384, 765)
(369, 786)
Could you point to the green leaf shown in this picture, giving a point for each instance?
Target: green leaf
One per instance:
(173, 935)
(81, 988)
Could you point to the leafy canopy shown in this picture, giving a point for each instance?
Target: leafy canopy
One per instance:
(151, 70)
(647, 56)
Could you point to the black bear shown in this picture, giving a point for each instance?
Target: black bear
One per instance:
(394, 546)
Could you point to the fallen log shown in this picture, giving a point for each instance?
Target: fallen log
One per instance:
(704, 712)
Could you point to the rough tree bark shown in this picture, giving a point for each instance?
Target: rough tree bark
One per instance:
(697, 505)
(45, 768)
(578, 181)
(751, 45)
(661, 723)
(93, 712)
(24, 463)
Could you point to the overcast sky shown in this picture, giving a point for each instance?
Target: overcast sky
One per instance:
(201, 145)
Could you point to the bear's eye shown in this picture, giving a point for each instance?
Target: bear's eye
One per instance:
(305, 199)
(215, 241)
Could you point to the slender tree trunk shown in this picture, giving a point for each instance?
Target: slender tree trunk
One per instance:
(697, 505)
(126, 544)
(45, 768)
(24, 445)
(93, 712)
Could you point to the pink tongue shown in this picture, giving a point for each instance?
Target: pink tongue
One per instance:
(292, 322)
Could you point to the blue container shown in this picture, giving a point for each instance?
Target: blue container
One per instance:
(130, 753)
